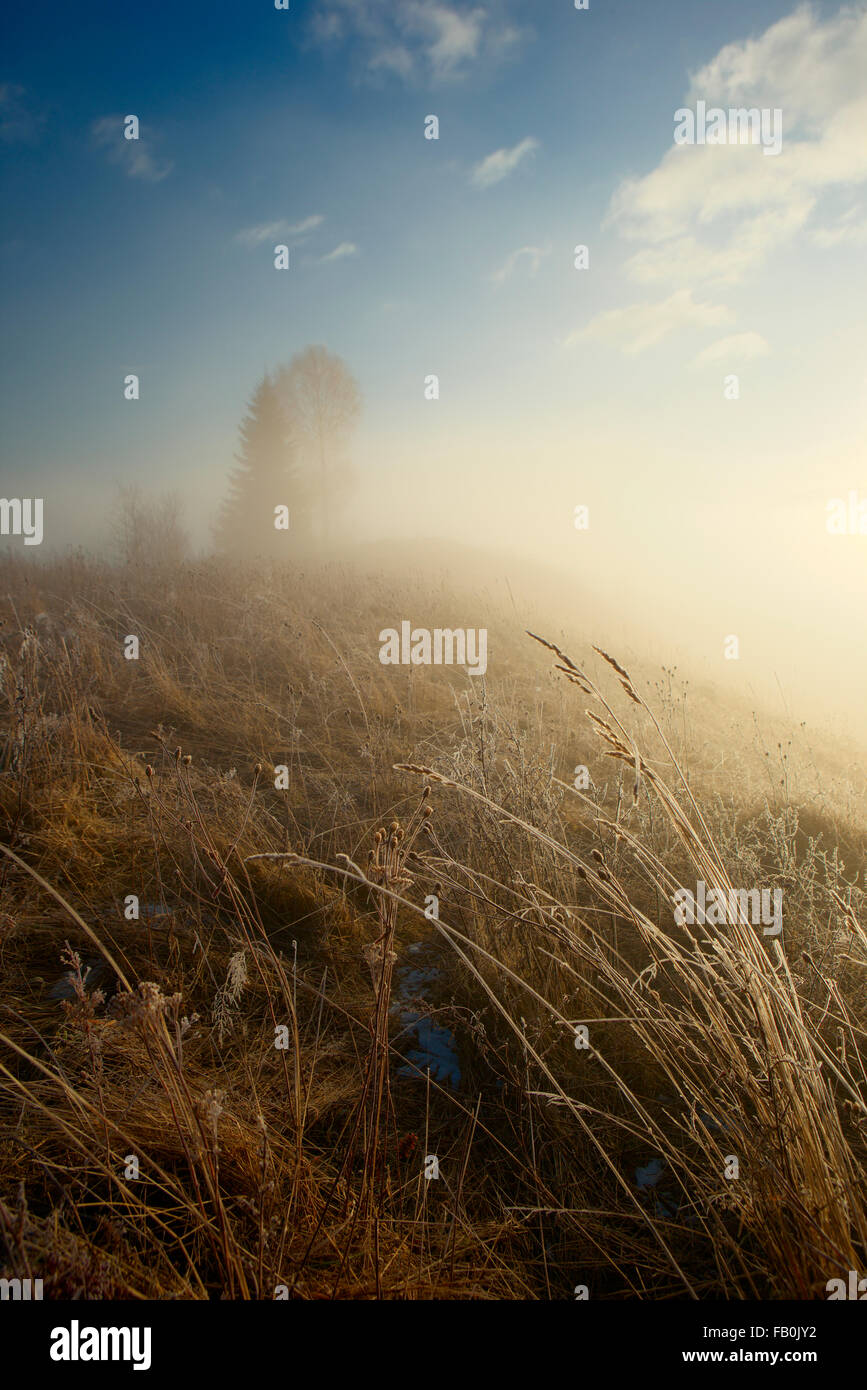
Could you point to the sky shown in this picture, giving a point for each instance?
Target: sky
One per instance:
(602, 387)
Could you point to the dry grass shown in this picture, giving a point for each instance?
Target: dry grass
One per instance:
(266, 912)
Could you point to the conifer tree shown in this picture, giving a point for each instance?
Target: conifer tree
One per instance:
(264, 481)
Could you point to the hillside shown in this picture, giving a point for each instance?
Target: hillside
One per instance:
(327, 977)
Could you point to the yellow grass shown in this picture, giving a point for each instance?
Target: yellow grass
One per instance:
(263, 1169)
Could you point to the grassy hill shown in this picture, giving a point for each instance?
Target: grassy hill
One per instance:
(321, 976)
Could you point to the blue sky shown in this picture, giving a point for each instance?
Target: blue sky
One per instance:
(257, 119)
(410, 257)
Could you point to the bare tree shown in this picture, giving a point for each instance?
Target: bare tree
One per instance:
(323, 402)
(149, 531)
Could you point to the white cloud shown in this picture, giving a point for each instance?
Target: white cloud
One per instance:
(417, 39)
(808, 67)
(509, 266)
(346, 248)
(132, 155)
(639, 326)
(714, 213)
(450, 38)
(741, 347)
(270, 231)
(292, 232)
(725, 260)
(392, 59)
(501, 163)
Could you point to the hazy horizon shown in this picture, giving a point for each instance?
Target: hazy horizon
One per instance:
(559, 387)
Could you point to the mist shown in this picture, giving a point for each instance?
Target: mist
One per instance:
(433, 540)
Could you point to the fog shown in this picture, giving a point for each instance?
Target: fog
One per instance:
(667, 577)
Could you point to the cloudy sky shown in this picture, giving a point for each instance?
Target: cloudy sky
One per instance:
(559, 386)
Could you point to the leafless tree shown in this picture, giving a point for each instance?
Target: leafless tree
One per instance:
(149, 531)
(323, 402)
